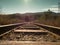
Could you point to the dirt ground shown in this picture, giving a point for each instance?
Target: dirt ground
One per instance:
(28, 43)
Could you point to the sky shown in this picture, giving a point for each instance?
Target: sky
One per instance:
(24, 6)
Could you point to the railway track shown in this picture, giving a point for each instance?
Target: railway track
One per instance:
(30, 32)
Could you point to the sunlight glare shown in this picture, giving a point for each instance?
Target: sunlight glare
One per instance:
(26, 1)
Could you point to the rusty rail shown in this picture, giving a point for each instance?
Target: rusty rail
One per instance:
(7, 28)
(53, 29)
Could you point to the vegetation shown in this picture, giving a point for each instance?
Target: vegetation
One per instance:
(47, 17)
(9, 19)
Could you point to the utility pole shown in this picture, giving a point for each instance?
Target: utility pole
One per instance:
(0, 10)
(59, 7)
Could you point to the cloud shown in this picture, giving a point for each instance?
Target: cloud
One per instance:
(53, 8)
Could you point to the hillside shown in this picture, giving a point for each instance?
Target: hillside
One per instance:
(47, 17)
